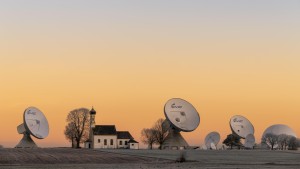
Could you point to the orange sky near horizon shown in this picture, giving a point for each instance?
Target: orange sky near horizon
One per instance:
(129, 61)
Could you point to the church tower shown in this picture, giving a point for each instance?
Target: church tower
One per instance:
(92, 126)
(92, 118)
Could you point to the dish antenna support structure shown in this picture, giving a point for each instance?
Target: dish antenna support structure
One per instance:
(180, 116)
(34, 123)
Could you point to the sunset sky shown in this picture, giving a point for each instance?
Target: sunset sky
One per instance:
(127, 58)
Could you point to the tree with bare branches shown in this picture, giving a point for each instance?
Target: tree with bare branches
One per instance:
(294, 143)
(77, 129)
(270, 139)
(70, 133)
(147, 137)
(160, 133)
(283, 141)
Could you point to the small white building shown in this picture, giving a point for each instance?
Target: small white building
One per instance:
(106, 136)
(133, 144)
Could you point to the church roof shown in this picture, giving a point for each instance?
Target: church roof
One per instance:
(132, 141)
(124, 135)
(105, 130)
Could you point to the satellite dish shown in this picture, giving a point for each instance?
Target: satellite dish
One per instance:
(241, 126)
(34, 123)
(278, 129)
(212, 138)
(249, 141)
(181, 116)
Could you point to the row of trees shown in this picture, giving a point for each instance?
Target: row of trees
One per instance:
(155, 135)
(281, 142)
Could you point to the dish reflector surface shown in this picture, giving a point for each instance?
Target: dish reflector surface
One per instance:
(36, 123)
(212, 138)
(249, 141)
(181, 114)
(279, 129)
(241, 126)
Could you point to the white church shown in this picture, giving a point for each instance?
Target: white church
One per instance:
(106, 136)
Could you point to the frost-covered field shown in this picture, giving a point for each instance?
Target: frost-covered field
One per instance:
(127, 159)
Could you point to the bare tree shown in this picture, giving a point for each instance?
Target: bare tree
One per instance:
(147, 137)
(78, 126)
(283, 141)
(70, 133)
(270, 139)
(294, 143)
(160, 133)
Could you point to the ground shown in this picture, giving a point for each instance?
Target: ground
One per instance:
(144, 159)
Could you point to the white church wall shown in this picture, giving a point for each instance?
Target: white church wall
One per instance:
(99, 141)
(123, 145)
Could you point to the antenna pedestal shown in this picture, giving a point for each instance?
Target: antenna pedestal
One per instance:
(26, 142)
(174, 141)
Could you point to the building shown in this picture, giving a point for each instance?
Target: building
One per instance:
(106, 136)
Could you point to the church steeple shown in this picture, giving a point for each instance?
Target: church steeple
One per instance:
(92, 118)
(92, 111)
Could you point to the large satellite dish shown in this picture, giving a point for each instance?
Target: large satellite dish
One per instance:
(212, 138)
(278, 129)
(180, 116)
(241, 126)
(249, 141)
(34, 123)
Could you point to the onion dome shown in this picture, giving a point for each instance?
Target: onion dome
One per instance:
(92, 111)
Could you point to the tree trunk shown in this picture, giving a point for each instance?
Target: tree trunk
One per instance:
(72, 143)
(77, 143)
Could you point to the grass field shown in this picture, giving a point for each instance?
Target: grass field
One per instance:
(85, 158)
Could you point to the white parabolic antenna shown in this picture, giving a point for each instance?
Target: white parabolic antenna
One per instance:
(249, 141)
(212, 138)
(241, 126)
(34, 123)
(181, 116)
(278, 129)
